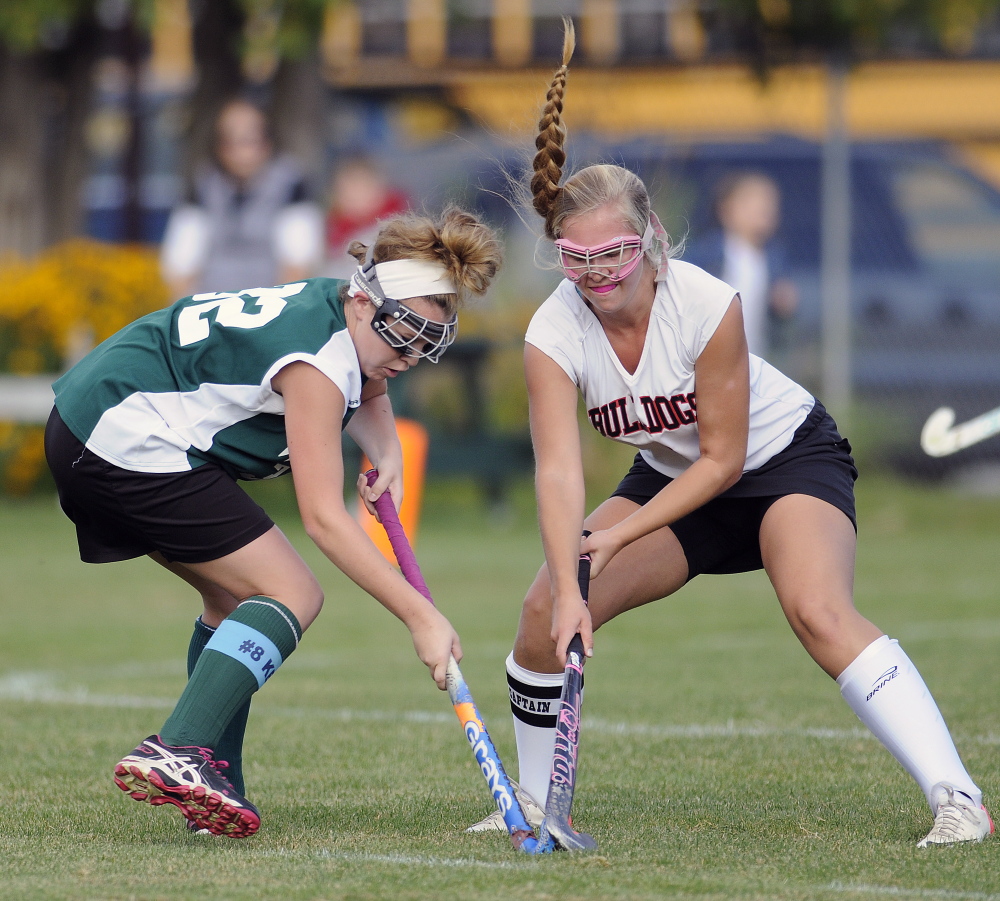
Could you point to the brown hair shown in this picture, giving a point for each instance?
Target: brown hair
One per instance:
(468, 249)
(591, 187)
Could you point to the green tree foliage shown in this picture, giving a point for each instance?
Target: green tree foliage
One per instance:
(289, 27)
(773, 30)
(26, 25)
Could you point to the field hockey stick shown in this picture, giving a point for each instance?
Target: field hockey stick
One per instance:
(941, 437)
(556, 831)
(521, 834)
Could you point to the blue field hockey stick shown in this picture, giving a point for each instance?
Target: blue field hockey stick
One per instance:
(521, 834)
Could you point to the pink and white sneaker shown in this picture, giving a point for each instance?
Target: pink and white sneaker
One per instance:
(191, 780)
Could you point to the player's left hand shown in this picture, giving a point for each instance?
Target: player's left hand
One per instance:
(601, 546)
(389, 479)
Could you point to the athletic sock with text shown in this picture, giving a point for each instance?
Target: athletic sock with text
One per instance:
(883, 687)
(230, 747)
(534, 701)
(246, 649)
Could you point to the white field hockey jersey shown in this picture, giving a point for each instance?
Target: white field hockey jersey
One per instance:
(655, 408)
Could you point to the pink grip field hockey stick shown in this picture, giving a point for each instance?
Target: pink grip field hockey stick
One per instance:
(556, 831)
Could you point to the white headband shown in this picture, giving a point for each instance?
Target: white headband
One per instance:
(402, 279)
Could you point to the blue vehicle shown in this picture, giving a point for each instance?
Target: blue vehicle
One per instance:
(925, 255)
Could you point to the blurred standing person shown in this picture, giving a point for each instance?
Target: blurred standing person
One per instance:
(742, 253)
(360, 197)
(248, 221)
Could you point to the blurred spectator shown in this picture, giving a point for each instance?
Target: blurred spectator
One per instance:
(360, 196)
(248, 221)
(741, 252)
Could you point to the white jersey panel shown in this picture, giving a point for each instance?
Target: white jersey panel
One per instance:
(654, 409)
(153, 431)
(337, 360)
(149, 432)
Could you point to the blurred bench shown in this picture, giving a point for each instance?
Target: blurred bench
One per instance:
(26, 398)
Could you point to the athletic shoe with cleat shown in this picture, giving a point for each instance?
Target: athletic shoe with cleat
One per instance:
(494, 822)
(191, 780)
(957, 820)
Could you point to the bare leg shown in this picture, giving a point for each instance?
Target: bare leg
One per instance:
(268, 566)
(216, 601)
(808, 550)
(648, 569)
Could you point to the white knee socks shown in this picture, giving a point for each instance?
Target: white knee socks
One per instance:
(887, 693)
(881, 685)
(534, 701)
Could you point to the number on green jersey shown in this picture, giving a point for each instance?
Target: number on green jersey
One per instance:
(193, 324)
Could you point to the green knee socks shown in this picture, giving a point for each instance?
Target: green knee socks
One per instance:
(230, 747)
(227, 666)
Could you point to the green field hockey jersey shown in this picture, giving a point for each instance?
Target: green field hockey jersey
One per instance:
(191, 383)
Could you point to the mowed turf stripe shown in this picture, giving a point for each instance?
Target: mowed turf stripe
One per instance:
(403, 860)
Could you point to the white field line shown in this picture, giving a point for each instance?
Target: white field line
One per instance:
(895, 891)
(43, 688)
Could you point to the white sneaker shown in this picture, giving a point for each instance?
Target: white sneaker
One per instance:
(957, 821)
(494, 822)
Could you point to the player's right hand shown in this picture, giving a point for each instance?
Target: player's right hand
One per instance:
(435, 642)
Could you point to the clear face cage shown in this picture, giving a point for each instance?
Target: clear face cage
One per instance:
(616, 259)
(401, 327)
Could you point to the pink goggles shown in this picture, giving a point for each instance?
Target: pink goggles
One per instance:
(616, 259)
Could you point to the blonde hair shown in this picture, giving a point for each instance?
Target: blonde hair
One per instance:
(589, 188)
(469, 250)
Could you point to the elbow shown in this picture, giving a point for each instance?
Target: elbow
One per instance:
(557, 476)
(732, 477)
(729, 472)
(315, 529)
(323, 525)
(733, 469)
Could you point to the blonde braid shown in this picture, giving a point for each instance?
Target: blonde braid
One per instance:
(551, 139)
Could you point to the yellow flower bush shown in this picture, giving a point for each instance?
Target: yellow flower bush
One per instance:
(74, 295)
(76, 286)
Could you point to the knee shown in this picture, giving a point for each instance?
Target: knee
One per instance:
(533, 647)
(304, 599)
(312, 603)
(819, 620)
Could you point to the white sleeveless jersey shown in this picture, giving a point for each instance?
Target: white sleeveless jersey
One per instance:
(655, 408)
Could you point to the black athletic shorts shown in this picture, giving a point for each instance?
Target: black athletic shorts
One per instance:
(189, 517)
(723, 536)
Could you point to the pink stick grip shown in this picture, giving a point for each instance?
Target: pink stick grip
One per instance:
(397, 538)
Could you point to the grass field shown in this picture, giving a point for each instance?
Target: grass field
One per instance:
(718, 762)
